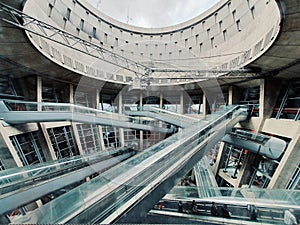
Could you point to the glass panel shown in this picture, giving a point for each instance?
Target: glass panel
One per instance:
(28, 148)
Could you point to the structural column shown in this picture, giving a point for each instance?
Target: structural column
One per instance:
(120, 109)
(39, 89)
(160, 100)
(181, 110)
(71, 96)
(269, 92)
(98, 99)
(216, 166)
(234, 94)
(204, 105)
(16, 159)
(288, 163)
(73, 124)
(141, 132)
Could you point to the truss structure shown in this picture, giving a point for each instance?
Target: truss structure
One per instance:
(32, 25)
(23, 21)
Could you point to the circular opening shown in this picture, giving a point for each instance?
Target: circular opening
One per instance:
(152, 13)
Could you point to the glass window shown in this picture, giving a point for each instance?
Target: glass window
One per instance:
(62, 141)
(28, 148)
(294, 182)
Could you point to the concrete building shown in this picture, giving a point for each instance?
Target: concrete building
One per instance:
(65, 53)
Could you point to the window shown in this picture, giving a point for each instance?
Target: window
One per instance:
(81, 24)
(234, 158)
(252, 11)
(105, 37)
(28, 148)
(94, 32)
(111, 137)
(185, 42)
(238, 25)
(287, 105)
(62, 141)
(50, 9)
(294, 183)
(229, 5)
(233, 14)
(216, 17)
(220, 25)
(208, 30)
(68, 15)
(224, 34)
(89, 138)
(1, 166)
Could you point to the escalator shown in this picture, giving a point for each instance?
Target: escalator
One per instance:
(23, 185)
(270, 206)
(19, 112)
(173, 118)
(126, 192)
(205, 180)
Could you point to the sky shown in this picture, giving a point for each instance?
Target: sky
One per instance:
(152, 13)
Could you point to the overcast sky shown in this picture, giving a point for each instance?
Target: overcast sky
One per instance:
(152, 13)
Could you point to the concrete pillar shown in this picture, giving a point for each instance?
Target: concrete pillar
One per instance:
(269, 92)
(230, 95)
(51, 153)
(101, 138)
(97, 99)
(44, 147)
(121, 130)
(216, 166)
(261, 98)
(234, 94)
(39, 97)
(181, 110)
(160, 100)
(73, 125)
(288, 163)
(71, 94)
(141, 132)
(77, 138)
(100, 127)
(204, 105)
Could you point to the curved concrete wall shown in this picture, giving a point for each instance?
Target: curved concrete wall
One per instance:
(228, 36)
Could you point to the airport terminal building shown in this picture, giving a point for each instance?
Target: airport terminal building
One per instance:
(105, 122)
